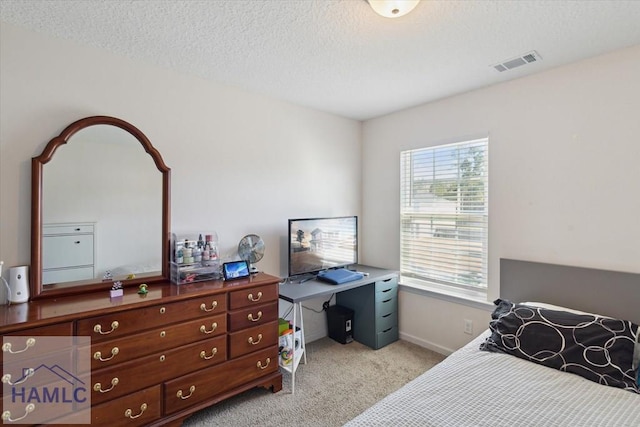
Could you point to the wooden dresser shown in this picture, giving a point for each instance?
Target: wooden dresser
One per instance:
(157, 358)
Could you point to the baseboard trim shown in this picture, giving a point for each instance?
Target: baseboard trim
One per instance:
(426, 344)
(311, 337)
(403, 336)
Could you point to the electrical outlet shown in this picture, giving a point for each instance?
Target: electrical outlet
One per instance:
(468, 326)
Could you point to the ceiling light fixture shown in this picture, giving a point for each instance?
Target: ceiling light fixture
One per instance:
(392, 8)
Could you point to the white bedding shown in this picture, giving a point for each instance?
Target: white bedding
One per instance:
(479, 388)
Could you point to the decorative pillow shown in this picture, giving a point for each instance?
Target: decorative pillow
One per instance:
(600, 349)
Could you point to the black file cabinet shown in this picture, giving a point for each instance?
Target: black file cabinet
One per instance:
(375, 307)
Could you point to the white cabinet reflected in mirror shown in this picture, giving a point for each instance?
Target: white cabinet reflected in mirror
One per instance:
(103, 206)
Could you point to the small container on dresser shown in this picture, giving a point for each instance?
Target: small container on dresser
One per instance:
(194, 257)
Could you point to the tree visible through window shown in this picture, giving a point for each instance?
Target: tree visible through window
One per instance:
(444, 214)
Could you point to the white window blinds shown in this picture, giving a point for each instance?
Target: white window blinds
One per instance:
(444, 214)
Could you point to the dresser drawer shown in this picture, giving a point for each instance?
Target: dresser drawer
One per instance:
(386, 306)
(136, 409)
(196, 387)
(252, 339)
(108, 353)
(23, 347)
(16, 404)
(387, 321)
(252, 316)
(139, 373)
(387, 286)
(386, 337)
(58, 229)
(109, 326)
(67, 251)
(253, 296)
(57, 357)
(66, 275)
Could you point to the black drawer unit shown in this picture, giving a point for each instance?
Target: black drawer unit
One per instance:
(375, 307)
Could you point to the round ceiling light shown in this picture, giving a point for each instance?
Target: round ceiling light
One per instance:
(393, 8)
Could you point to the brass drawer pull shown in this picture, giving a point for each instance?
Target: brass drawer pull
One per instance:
(129, 413)
(98, 355)
(98, 386)
(114, 326)
(214, 304)
(163, 358)
(163, 334)
(259, 364)
(203, 328)
(163, 310)
(6, 378)
(6, 347)
(250, 317)
(204, 356)
(251, 298)
(252, 342)
(191, 390)
(6, 415)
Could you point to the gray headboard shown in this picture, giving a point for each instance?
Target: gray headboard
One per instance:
(610, 293)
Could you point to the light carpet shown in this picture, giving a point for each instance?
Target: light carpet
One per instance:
(337, 383)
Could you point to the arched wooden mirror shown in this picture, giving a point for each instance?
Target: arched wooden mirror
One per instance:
(100, 208)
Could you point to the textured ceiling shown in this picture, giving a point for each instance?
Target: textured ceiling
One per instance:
(338, 55)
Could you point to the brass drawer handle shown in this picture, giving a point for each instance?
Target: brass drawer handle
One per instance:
(114, 326)
(6, 347)
(259, 364)
(129, 413)
(163, 358)
(6, 378)
(163, 310)
(252, 342)
(204, 356)
(250, 317)
(163, 334)
(191, 390)
(6, 415)
(98, 386)
(98, 355)
(203, 306)
(251, 298)
(203, 328)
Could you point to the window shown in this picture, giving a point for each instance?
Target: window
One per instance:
(444, 214)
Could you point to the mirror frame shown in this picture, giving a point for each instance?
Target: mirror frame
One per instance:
(38, 291)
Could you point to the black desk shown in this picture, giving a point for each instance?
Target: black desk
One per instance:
(296, 293)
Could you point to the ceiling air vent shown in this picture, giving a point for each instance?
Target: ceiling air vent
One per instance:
(512, 63)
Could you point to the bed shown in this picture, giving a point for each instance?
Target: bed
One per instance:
(473, 387)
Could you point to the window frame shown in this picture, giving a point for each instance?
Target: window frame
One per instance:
(470, 216)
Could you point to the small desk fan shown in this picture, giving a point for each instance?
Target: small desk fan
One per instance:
(251, 249)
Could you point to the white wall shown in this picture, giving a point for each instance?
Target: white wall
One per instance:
(564, 150)
(564, 162)
(240, 162)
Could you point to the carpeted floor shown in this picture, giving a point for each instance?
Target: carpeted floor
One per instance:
(338, 382)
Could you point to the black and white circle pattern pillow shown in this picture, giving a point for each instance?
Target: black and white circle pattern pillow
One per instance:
(600, 349)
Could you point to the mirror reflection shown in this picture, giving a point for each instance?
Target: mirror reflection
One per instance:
(102, 208)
